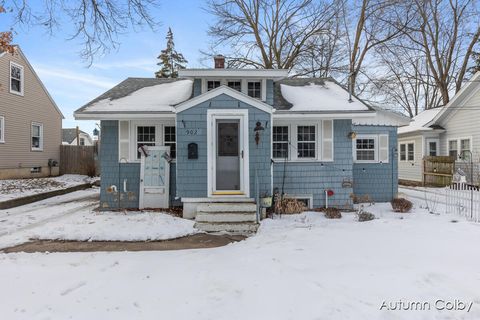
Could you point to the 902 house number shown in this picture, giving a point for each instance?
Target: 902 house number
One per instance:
(192, 132)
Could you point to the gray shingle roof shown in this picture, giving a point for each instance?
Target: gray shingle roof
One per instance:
(128, 86)
(68, 135)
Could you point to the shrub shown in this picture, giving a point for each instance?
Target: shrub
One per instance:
(289, 206)
(365, 216)
(401, 205)
(91, 169)
(332, 213)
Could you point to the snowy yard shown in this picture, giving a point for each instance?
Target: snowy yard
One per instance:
(17, 188)
(298, 267)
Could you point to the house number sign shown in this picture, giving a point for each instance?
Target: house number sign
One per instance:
(193, 132)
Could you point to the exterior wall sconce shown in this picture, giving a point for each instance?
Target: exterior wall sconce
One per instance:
(352, 135)
(258, 128)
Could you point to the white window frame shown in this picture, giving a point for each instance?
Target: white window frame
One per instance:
(375, 148)
(261, 88)
(22, 78)
(283, 142)
(459, 144)
(2, 129)
(234, 80)
(170, 143)
(315, 141)
(308, 197)
(159, 134)
(40, 125)
(406, 143)
(293, 143)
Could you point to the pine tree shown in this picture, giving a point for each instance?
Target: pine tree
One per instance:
(170, 60)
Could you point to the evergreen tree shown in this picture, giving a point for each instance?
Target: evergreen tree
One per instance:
(170, 60)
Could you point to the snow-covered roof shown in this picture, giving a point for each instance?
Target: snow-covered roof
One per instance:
(317, 95)
(383, 117)
(419, 122)
(156, 98)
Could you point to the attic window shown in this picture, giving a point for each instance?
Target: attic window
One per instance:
(212, 84)
(255, 89)
(16, 78)
(235, 85)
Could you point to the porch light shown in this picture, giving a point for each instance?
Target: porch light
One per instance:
(258, 128)
(352, 135)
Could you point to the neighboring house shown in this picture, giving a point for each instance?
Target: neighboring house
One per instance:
(236, 134)
(30, 121)
(69, 137)
(452, 130)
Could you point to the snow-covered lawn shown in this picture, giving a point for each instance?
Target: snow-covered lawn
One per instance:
(17, 188)
(298, 267)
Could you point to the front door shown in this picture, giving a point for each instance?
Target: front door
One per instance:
(154, 178)
(228, 153)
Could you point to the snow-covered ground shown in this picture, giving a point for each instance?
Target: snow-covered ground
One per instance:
(297, 267)
(17, 188)
(72, 217)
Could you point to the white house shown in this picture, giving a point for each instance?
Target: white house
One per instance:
(69, 137)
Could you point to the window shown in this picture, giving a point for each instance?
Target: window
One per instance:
(453, 148)
(2, 129)
(36, 170)
(235, 84)
(255, 89)
(16, 78)
(465, 146)
(82, 141)
(407, 151)
(170, 140)
(37, 136)
(365, 149)
(432, 149)
(212, 84)
(280, 142)
(306, 142)
(403, 152)
(145, 137)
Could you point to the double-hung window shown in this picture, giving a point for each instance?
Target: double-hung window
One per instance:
(453, 148)
(365, 149)
(280, 142)
(306, 142)
(37, 136)
(145, 137)
(16, 78)
(407, 151)
(2, 129)
(372, 149)
(464, 148)
(235, 85)
(254, 89)
(169, 139)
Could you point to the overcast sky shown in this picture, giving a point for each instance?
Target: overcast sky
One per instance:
(72, 83)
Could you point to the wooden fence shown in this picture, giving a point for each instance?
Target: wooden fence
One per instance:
(79, 160)
(438, 171)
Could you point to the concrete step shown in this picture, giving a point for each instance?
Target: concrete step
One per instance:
(226, 207)
(233, 228)
(226, 217)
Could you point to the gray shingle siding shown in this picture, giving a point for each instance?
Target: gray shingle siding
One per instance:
(313, 178)
(197, 87)
(192, 173)
(379, 181)
(113, 173)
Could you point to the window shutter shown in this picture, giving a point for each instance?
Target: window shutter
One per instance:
(327, 140)
(383, 148)
(123, 141)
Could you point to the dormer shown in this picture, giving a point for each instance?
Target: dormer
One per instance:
(256, 83)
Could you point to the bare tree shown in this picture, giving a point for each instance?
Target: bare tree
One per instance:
(268, 33)
(96, 23)
(447, 31)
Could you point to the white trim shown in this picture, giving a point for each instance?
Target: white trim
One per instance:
(38, 124)
(387, 148)
(142, 186)
(159, 134)
(2, 126)
(22, 79)
(309, 197)
(228, 91)
(123, 116)
(276, 74)
(406, 143)
(427, 145)
(242, 115)
(375, 149)
(459, 145)
(281, 115)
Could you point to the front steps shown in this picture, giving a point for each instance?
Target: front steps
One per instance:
(233, 217)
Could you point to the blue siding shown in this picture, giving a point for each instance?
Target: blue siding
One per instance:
(269, 97)
(192, 173)
(378, 180)
(197, 87)
(114, 173)
(313, 178)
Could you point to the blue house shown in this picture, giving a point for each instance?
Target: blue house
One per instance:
(213, 140)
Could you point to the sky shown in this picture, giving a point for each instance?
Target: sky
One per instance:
(72, 82)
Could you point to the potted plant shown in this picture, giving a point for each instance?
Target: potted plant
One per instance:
(265, 200)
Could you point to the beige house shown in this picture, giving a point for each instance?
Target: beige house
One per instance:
(30, 121)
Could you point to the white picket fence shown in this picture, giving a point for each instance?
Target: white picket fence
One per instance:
(464, 200)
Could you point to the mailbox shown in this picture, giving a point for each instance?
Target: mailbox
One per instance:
(192, 151)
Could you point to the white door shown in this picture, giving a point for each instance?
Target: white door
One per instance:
(432, 147)
(154, 178)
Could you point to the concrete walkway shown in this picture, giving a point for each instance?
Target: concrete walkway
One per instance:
(196, 241)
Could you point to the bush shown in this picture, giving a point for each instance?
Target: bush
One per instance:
(332, 213)
(289, 206)
(365, 216)
(401, 205)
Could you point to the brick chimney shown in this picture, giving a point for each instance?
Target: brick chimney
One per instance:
(219, 61)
